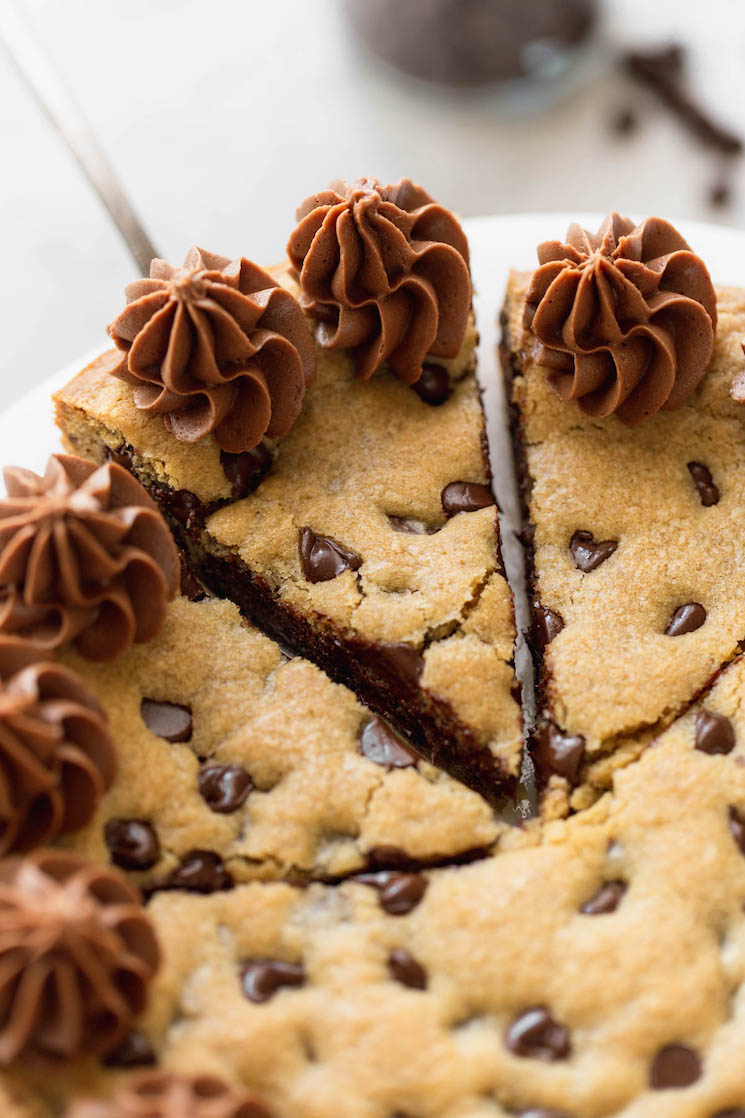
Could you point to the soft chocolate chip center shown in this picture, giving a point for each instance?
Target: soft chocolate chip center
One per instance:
(607, 899)
(704, 483)
(536, 1035)
(323, 558)
(133, 843)
(406, 969)
(466, 496)
(675, 1065)
(588, 553)
(224, 788)
(168, 720)
(433, 386)
(714, 733)
(261, 978)
(686, 619)
(381, 744)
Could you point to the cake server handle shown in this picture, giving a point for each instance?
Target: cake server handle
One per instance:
(38, 73)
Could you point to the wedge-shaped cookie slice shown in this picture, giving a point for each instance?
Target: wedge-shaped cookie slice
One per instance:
(366, 538)
(636, 552)
(597, 972)
(237, 763)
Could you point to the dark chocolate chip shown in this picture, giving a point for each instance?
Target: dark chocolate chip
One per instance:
(714, 733)
(547, 624)
(168, 720)
(246, 470)
(406, 970)
(261, 978)
(398, 892)
(704, 483)
(625, 122)
(466, 496)
(675, 1065)
(200, 871)
(323, 558)
(406, 662)
(588, 554)
(379, 743)
(737, 827)
(190, 587)
(389, 857)
(183, 505)
(535, 1034)
(556, 752)
(607, 899)
(122, 456)
(685, 619)
(433, 386)
(135, 1051)
(225, 788)
(133, 843)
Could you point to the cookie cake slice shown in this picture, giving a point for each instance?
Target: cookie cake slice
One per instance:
(630, 448)
(337, 487)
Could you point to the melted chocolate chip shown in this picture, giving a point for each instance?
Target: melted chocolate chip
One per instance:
(398, 893)
(168, 720)
(433, 386)
(535, 1035)
(379, 743)
(555, 752)
(406, 970)
(685, 619)
(737, 827)
(588, 554)
(245, 471)
(323, 558)
(714, 733)
(406, 662)
(200, 871)
(675, 1065)
(135, 1051)
(133, 843)
(261, 978)
(547, 624)
(183, 505)
(704, 483)
(607, 899)
(466, 496)
(122, 456)
(225, 788)
(190, 587)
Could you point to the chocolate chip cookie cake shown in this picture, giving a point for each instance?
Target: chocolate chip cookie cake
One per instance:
(228, 889)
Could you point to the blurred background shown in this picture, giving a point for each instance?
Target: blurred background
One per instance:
(220, 117)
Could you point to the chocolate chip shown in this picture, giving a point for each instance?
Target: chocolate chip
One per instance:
(535, 1034)
(200, 871)
(547, 624)
(261, 978)
(385, 856)
(433, 386)
(714, 733)
(556, 752)
(398, 893)
(133, 843)
(190, 587)
(737, 827)
(135, 1051)
(182, 505)
(246, 470)
(466, 496)
(588, 554)
(379, 743)
(323, 558)
(406, 970)
(704, 483)
(168, 720)
(406, 662)
(685, 619)
(225, 788)
(607, 899)
(122, 456)
(675, 1065)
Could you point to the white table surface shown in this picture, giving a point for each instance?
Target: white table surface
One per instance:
(220, 117)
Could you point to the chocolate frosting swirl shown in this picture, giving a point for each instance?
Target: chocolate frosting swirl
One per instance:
(215, 346)
(385, 270)
(624, 318)
(85, 556)
(76, 955)
(166, 1095)
(56, 755)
